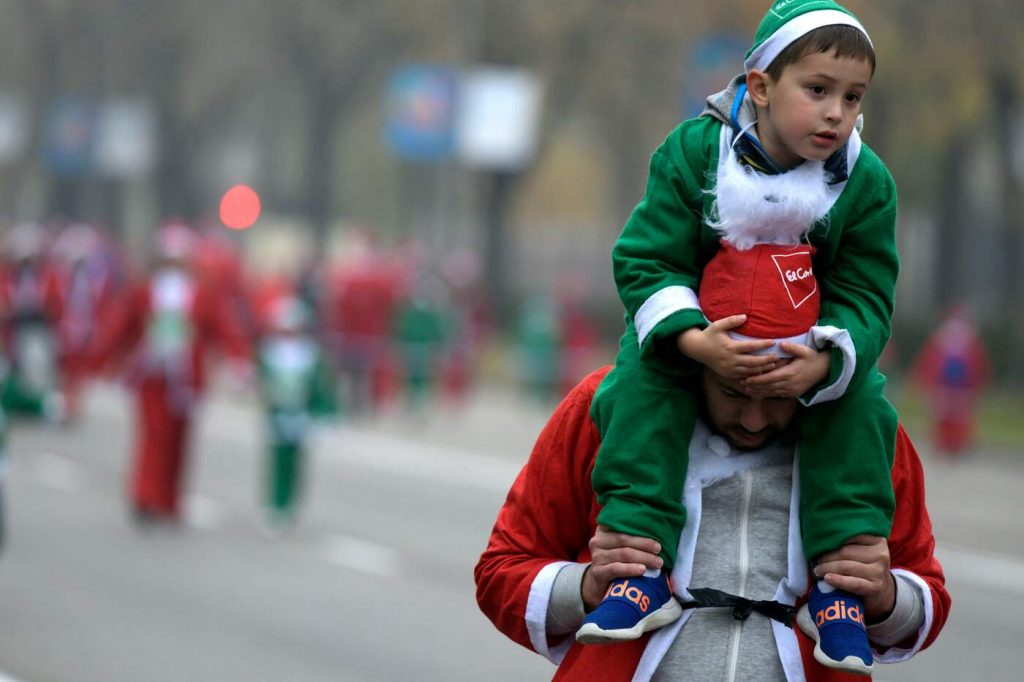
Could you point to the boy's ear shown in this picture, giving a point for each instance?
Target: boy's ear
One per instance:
(757, 85)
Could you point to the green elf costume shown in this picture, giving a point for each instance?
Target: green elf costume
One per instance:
(643, 412)
(296, 388)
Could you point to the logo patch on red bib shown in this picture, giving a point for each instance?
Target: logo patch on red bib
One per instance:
(797, 275)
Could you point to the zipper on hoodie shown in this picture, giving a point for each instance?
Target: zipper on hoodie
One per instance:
(747, 480)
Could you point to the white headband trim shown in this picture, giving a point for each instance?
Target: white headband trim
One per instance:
(795, 29)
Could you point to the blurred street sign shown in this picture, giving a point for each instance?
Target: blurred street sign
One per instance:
(125, 145)
(498, 121)
(420, 112)
(14, 128)
(68, 136)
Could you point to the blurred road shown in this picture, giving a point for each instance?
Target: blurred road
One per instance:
(375, 584)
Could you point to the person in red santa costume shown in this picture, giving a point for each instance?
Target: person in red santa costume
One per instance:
(163, 331)
(740, 572)
(547, 562)
(88, 280)
(952, 370)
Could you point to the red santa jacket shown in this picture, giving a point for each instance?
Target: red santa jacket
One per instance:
(213, 324)
(550, 515)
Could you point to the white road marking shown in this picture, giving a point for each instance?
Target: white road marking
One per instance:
(204, 513)
(402, 457)
(56, 472)
(7, 678)
(394, 455)
(360, 555)
(985, 570)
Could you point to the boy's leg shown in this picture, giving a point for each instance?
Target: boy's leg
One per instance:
(646, 419)
(846, 453)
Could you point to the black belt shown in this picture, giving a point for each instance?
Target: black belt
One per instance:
(741, 606)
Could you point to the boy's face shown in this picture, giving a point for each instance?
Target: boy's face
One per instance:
(810, 112)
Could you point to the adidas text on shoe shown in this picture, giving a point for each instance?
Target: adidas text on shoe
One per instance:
(853, 656)
(631, 607)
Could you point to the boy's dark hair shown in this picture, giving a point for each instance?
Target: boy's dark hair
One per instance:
(841, 40)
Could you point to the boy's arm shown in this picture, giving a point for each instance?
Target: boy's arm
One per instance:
(858, 291)
(656, 258)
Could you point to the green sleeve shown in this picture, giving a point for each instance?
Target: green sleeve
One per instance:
(659, 252)
(859, 285)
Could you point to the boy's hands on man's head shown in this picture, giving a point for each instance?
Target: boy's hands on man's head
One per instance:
(791, 377)
(616, 555)
(724, 355)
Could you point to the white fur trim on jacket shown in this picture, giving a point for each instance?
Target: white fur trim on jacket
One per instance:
(660, 305)
(537, 613)
(841, 339)
(795, 584)
(853, 147)
(795, 29)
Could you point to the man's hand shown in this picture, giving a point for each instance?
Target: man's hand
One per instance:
(725, 356)
(861, 566)
(616, 555)
(791, 377)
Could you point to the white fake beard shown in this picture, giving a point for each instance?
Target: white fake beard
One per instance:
(752, 208)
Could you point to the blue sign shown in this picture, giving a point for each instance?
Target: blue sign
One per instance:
(68, 136)
(420, 124)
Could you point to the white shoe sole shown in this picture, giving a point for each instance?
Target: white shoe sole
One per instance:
(850, 664)
(591, 633)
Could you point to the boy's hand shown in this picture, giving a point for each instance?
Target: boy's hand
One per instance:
(725, 356)
(862, 566)
(616, 555)
(791, 377)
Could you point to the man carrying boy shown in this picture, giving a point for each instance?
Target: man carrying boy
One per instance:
(547, 561)
(775, 159)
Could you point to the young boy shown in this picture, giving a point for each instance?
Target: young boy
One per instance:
(775, 158)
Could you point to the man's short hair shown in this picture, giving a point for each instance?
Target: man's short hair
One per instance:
(841, 40)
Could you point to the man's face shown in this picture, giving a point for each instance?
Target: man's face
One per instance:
(745, 421)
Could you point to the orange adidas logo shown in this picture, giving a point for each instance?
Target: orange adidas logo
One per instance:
(839, 611)
(633, 594)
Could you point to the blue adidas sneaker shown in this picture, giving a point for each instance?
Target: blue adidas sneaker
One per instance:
(630, 607)
(835, 621)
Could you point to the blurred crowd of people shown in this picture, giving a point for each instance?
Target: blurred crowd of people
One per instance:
(368, 331)
(371, 330)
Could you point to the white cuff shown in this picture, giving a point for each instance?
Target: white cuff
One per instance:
(905, 619)
(537, 613)
(660, 305)
(912, 581)
(840, 338)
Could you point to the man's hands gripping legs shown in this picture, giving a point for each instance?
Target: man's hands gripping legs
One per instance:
(624, 589)
(855, 585)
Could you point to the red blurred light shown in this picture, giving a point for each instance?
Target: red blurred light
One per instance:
(240, 207)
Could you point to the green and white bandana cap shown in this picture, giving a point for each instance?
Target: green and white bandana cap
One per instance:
(790, 20)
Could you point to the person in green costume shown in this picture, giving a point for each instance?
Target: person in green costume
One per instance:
(297, 388)
(776, 157)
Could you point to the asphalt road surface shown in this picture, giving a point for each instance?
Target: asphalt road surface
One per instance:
(375, 582)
